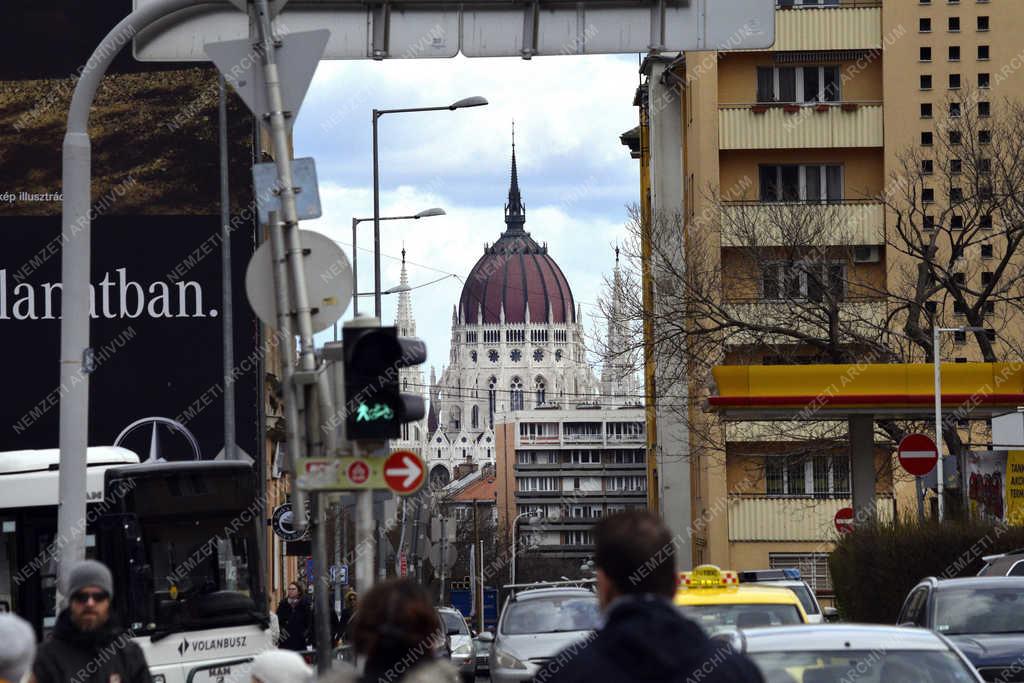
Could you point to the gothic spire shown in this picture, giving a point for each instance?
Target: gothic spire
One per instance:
(405, 321)
(515, 211)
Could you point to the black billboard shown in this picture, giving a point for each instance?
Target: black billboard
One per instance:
(156, 305)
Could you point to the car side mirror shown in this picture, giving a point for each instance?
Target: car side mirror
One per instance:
(486, 637)
(830, 613)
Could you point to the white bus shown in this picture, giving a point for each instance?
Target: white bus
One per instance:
(180, 539)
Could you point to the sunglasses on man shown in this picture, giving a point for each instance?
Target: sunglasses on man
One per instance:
(82, 597)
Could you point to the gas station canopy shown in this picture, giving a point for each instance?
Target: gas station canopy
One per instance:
(839, 392)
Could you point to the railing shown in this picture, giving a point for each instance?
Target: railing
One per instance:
(858, 320)
(542, 438)
(636, 438)
(844, 222)
(762, 125)
(761, 518)
(847, 26)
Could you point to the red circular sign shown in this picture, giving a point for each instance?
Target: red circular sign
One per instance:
(918, 454)
(358, 472)
(844, 520)
(403, 472)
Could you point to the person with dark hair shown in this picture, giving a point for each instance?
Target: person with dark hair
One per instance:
(645, 637)
(398, 635)
(295, 619)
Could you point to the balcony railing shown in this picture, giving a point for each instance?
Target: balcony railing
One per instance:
(756, 518)
(632, 438)
(795, 126)
(588, 438)
(848, 222)
(858, 320)
(846, 26)
(538, 438)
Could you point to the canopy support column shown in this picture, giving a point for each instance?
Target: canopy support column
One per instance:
(862, 467)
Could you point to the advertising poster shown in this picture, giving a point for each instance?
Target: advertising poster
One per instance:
(156, 247)
(986, 471)
(1015, 487)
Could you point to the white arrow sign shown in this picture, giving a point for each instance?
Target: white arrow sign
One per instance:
(411, 471)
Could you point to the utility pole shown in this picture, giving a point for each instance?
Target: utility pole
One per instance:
(480, 583)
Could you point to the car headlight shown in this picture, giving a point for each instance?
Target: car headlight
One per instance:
(464, 649)
(507, 661)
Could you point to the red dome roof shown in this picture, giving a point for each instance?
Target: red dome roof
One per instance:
(516, 273)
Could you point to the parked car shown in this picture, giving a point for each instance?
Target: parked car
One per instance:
(461, 647)
(838, 653)
(1004, 564)
(482, 652)
(983, 616)
(536, 625)
(790, 578)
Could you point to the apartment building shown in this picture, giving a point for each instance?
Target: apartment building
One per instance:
(561, 470)
(781, 165)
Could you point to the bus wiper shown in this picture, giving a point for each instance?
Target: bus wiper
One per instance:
(159, 635)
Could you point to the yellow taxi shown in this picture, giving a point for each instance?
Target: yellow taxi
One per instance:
(717, 601)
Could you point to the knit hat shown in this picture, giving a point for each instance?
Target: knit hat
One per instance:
(89, 573)
(19, 647)
(280, 666)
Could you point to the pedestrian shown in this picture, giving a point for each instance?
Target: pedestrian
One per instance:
(644, 637)
(88, 644)
(398, 635)
(17, 648)
(294, 618)
(277, 666)
(348, 610)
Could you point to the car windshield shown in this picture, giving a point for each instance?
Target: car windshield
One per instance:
(454, 623)
(874, 666)
(991, 609)
(806, 599)
(716, 618)
(551, 615)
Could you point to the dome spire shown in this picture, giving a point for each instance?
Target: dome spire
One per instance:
(515, 211)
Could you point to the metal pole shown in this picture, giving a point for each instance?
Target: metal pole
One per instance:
(939, 475)
(482, 587)
(364, 534)
(442, 557)
(226, 318)
(355, 270)
(76, 236)
(376, 222)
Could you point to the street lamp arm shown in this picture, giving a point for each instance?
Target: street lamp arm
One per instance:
(377, 113)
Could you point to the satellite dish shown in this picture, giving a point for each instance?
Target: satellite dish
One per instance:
(328, 277)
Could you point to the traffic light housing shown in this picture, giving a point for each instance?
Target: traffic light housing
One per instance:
(375, 407)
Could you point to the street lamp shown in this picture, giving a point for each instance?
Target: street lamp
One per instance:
(426, 213)
(534, 519)
(475, 101)
(939, 474)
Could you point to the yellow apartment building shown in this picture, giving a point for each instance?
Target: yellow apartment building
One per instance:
(730, 140)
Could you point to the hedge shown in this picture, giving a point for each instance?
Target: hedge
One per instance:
(875, 567)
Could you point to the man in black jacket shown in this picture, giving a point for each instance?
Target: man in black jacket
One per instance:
(295, 617)
(645, 638)
(87, 645)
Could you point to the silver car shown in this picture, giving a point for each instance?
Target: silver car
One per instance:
(535, 626)
(460, 642)
(834, 653)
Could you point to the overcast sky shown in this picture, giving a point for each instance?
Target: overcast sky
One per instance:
(575, 175)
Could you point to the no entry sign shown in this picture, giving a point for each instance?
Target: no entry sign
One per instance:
(844, 520)
(918, 454)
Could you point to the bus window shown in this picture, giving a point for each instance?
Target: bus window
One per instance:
(7, 545)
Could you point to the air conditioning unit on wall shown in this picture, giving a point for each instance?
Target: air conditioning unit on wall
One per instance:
(867, 254)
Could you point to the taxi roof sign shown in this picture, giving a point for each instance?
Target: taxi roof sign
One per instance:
(709, 576)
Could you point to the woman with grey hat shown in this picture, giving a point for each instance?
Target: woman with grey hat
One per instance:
(17, 648)
(87, 645)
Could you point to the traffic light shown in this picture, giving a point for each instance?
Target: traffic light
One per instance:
(375, 406)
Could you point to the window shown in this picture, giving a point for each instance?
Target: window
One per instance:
(584, 457)
(926, 138)
(516, 394)
(925, 54)
(813, 568)
(990, 334)
(538, 355)
(798, 84)
(579, 538)
(956, 194)
(954, 53)
(987, 251)
(954, 109)
(820, 476)
(514, 336)
(954, 81)
(929, 222)
(959, 308)
(984, 80)
(956, 222)
(983, 53)
(984, 166)
(927, 167)
(984, 136)
(515, 355)
(538, 335)
(926, 110)
(986, 278)
(492, 336)
(984, 109)
(492, 399)
(534, 484)
(539, 389)
(956, 166)
(955, 137)
(959, 279)
(474, 417)
(924, 25)
(926, 82)
(953, 25)
(928, 195)
(959, 359)
(982, 23)
(628, 457)
(930, 306)
(792, 182)
(985, 222)
(634, 483)
(812, 281)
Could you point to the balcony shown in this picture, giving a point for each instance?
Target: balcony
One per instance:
(775, 126)
(790, 519)
(858, 320)
(538, 439)
(844, 223)
(849, 26)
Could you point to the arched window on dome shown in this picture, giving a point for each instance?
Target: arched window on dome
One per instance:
(455, 418)
(517, 394)
(492, 399)
(539, 389)
(474, 417)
